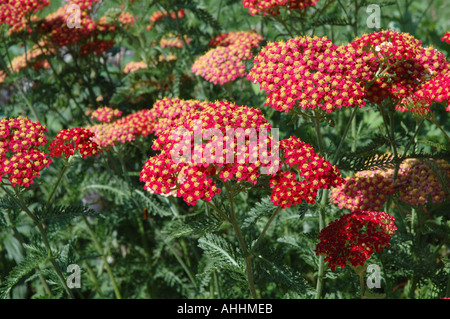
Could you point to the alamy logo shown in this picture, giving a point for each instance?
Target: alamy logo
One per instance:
(374, 19)
(74, 280)
(373, 280)
(74, 17)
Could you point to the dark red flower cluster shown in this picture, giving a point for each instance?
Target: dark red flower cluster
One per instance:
(354, 237)
(273, 6)
(67, 141)
(21, 160)
(306, 173)
(97, 46)
(225, 62)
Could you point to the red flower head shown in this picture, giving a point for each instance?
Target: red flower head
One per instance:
(309, 72)
(446, 37)
(20, 158)
(69, 140)
(354, 237)
(314, 171)
(273, 6)
(105, 114)
(218, 142)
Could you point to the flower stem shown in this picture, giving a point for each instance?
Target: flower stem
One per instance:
(100, 251)
(242, 244)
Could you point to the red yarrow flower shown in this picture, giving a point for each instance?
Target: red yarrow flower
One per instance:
(67, 141)
(354, 237)
(311, 73)
(272, 7)
(105, 114)
(225, 62)
(302, 173)
(21, 160)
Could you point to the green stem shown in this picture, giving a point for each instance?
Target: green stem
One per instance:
(242, 244)
(258, 241)
(18, 198)
(100, 251)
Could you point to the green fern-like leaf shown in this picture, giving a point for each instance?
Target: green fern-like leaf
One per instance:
(221, 252)
(20, 271)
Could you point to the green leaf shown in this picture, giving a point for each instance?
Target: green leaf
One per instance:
(20, 271)
(221, 252)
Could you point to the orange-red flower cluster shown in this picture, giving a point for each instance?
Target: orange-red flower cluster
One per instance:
(273, 6)
(159, 15)
(225, 62)
(21, 160)
(354, 237)
(35, 57)
(306, 173)
(132, 66)
(67, 141)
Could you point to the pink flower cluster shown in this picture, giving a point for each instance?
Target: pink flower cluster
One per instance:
(105, 114)
(132, 66)
(225, 62)
(354, 237)
(366, 190)
(21, 160)
(416, 184)
(405, 62)
(273, 6)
